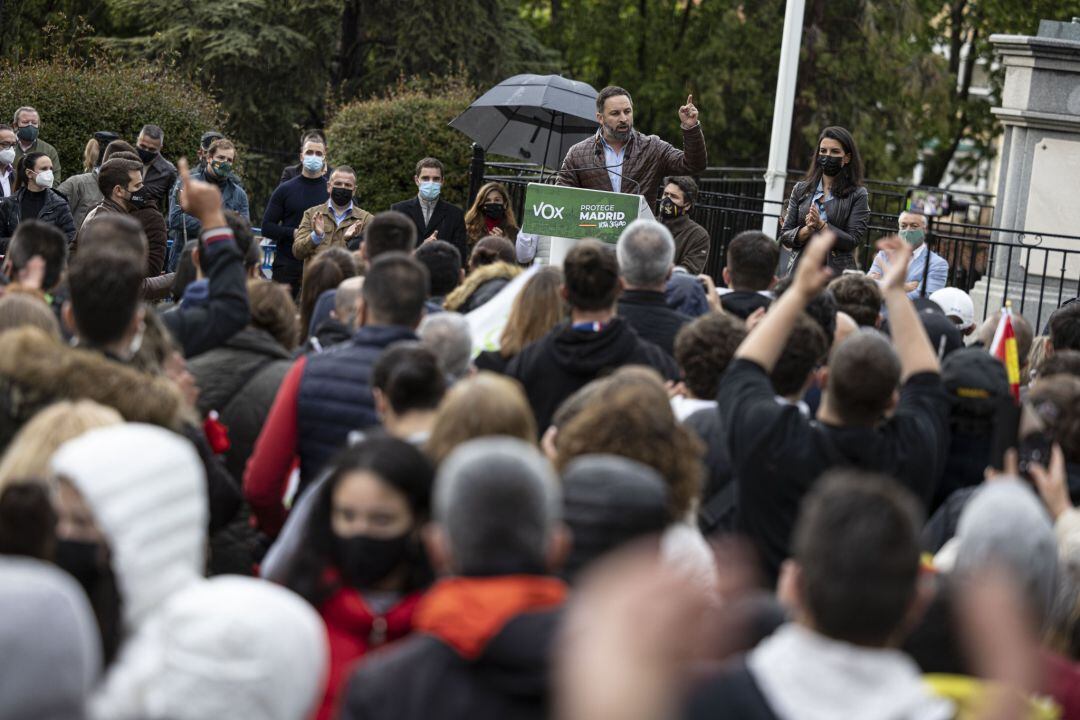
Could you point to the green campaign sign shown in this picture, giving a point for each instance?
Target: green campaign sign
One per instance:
(575, 213)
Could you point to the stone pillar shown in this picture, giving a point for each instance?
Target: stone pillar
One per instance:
(1039, 176)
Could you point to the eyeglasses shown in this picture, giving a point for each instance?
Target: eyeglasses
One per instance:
(6, 145)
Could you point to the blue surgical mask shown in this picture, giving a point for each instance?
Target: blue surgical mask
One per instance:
(313, 163)
(429, 190)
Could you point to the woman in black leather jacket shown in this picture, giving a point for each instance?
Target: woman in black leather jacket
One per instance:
(831, 194)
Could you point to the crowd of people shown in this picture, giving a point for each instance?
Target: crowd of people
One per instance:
(324, 495)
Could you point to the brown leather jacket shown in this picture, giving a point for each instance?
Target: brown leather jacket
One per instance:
(647, 161)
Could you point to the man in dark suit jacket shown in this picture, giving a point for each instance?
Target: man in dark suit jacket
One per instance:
(435, 219)
(292, 171)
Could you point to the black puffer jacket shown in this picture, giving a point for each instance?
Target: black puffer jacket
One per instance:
(55, 211)
(240, 380)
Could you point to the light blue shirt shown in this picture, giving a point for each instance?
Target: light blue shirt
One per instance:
(935, 279)
(338, 219)
(613, 160)
(819, 194)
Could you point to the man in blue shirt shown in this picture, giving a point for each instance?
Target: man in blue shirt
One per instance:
(913, 231)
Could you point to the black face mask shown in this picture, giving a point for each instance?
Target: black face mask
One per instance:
(86, 562)
(364, 560)
(830, 165)
(495, 211)
(146, 155)
(81, 560)
(27, 133)
(669, 210)
(139, 199)
(341, 196)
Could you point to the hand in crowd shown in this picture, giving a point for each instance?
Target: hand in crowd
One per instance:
(688, 114)
(754, 319)
(813, 218)
(33, 275)
(352, 231)
(628, 640)
(496, 231)
(1052, 483)
(200, 199)
(711, 295)
(433, 236)
(995, 631)
(676, 389)
(813, 274)
(1010, 469)
(898, 254)
(319, 226)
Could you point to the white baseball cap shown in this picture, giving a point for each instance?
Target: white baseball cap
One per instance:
(956, 303)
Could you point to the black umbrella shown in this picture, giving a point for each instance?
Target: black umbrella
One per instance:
(535, 118)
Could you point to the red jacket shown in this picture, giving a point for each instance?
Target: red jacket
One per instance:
(354, 630)
(274, 456)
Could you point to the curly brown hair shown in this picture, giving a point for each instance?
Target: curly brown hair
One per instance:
(858, 296)
(630, 415)
(703, 349)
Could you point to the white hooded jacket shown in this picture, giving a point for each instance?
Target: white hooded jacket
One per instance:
(147, 490)
(236, 647)
(807, 676)
(229, 647)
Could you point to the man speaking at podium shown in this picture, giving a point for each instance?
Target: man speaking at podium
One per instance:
(620, 159)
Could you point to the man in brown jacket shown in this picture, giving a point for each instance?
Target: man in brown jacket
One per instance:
(333, 224)
(620, 158)
(691, 240)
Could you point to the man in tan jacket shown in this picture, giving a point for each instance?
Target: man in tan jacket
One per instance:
(333, 224)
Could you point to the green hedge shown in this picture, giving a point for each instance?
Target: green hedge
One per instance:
(384, 137)
(77, 99)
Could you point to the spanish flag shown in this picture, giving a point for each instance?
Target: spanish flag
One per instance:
(1004, 349)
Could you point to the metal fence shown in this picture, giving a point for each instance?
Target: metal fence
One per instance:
(1036, 271)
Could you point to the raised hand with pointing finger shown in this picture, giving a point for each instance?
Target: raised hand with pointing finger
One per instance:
(688, 114)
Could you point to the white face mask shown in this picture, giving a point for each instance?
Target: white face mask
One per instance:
(44, 178)
(7, 156)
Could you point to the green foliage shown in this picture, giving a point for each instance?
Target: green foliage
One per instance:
(36, 29)
(76, 99)
(266, 61)
(383, 138)
(383, 40)
(966, 116)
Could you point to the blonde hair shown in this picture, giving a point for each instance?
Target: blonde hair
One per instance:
(485, 404)
(90, 154)
(536, 310)
(27, 457)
